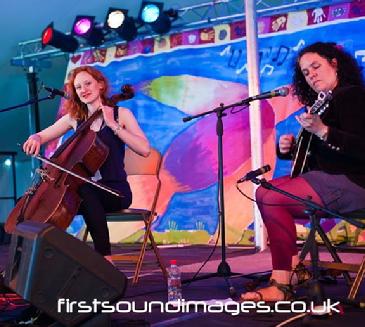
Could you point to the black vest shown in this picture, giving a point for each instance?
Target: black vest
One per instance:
(112, 171)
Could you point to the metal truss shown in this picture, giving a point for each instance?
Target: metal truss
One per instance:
(31, 53)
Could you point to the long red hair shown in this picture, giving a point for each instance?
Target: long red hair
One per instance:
(73, 105)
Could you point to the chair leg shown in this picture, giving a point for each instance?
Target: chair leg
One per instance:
(332, 251)
(141, 255)
(84, 238)
(316, 227)
(148, 235)
(315, 289)
(314, 251)
(308, 244)
(157, 253)
(356, 284)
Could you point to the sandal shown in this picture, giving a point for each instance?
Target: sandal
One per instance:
(285, 289)
(302, 275)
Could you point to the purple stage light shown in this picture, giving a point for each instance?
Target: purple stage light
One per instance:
(86, 28)
(82, 26)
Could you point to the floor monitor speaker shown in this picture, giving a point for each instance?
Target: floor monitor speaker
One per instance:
(46, 265)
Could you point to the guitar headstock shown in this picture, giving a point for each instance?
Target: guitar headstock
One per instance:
(322, 102)
(324, 96)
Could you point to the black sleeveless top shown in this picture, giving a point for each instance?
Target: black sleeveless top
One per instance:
(112, 171)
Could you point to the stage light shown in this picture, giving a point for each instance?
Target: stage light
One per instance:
(85, 27)
(82, 25)
(115, 18)
(59, 40)
(152, 13)
(119, 21)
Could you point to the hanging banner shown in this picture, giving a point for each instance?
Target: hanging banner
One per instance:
(196, 71)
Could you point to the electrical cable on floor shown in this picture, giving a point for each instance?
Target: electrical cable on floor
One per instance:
(219, 229)
(206, 260)
(288, 321)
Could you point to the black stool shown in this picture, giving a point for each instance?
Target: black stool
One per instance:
(310, 246)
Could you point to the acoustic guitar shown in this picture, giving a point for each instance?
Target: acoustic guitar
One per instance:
(304, 138)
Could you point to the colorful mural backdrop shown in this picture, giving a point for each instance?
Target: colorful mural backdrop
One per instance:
(193, 72)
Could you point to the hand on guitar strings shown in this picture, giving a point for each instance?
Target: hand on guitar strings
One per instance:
(312, 123)
(286, 143)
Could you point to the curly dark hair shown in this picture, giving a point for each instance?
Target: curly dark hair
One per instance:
(348, 70)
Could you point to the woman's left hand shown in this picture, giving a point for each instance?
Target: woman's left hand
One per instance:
(312, 123)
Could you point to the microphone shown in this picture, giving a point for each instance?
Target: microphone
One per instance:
(281, 92)
(254, 173)
(54, 91)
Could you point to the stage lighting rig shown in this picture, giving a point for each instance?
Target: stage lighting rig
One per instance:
(59, 40)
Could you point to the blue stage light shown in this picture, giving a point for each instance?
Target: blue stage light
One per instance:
(151, 12)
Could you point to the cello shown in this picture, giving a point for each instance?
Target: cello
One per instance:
(54, 199)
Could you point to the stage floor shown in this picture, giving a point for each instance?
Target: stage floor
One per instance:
(244, 261)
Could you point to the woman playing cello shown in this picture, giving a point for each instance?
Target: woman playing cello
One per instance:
(115, 127)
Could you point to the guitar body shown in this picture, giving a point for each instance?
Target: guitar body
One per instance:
(304, 138)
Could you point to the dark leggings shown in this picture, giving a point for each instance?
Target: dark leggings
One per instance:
(279, 219)
(94, 206)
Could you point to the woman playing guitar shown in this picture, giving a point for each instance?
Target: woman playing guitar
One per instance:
(334, 174)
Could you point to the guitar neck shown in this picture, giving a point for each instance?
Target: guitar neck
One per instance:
(304, 138)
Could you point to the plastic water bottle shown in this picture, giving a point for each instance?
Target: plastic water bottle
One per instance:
(174, 282)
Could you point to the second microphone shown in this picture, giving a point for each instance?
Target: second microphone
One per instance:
(254, 173)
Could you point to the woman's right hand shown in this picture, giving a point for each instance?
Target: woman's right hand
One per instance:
(32, 146)
(286, 143)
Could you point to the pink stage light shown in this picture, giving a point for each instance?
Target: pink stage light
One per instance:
(82, 26)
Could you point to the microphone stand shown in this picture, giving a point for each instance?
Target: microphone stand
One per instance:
(50, 96)
(316, 291)
(224, 269)
(31, 102)
(33, 113)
